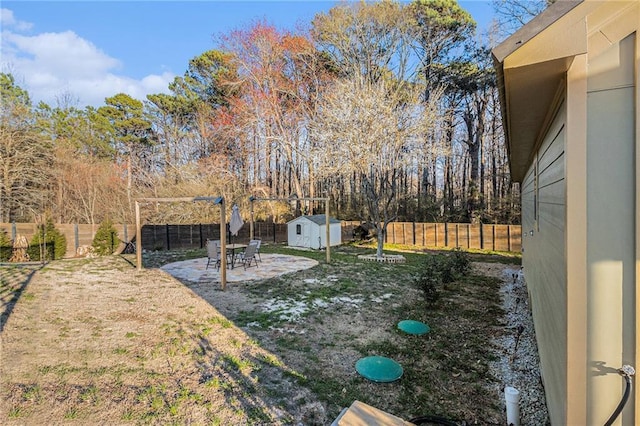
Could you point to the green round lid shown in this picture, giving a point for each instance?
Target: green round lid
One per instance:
(413, 327)
(379, 369)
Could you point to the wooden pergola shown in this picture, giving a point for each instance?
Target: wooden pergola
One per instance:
(223, 226)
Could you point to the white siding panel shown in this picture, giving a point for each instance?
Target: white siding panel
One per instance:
(550, 151)
(528, 181)
(527, 194)
(553, 193)
(553, 219)
(544, 256)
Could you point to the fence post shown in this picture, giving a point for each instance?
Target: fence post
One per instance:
(200, 235)
(493, 235)
(167, 236)
(508, 237)
(414, 232)
(14, 231)
(435, 234)
(457, 236)
(404, 233)
(446, 234)
(75, 237)
(481, 236)
(274, 232)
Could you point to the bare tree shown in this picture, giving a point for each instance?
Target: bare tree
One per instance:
(25, 162)
(93, 188)
(512, 14)
(368, 131)
(279, 75)
(367, 39)
(25, 156)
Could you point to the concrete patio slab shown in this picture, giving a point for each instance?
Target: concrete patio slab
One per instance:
(194, 270)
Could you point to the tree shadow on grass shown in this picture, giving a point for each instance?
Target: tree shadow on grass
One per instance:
(13, 282)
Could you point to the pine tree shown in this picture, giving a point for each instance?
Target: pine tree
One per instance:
(48, 241)
(6, 247)
(106, 238)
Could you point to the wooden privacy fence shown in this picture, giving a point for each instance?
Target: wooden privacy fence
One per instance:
(464, 235)
(76, 234)
(154, 237)
(169, 237)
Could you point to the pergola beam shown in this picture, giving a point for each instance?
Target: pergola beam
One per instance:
(223, 231)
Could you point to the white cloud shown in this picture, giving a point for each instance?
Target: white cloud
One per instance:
(51, 64)
(63, 54)
(7, 20)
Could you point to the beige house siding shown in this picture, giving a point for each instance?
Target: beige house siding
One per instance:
(610, 225)
(574, 403)
(591, 49)
(543, 197)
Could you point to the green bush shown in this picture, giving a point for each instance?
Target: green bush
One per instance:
(447, 271)
(54, 241)
(106, 239)
(460, 261)
(430, 278)
(6, 248)
(438, 270)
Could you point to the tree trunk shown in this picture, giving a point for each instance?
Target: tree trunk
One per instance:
(129, 179)
(382, 232)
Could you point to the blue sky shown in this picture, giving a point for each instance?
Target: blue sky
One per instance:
(95, 49)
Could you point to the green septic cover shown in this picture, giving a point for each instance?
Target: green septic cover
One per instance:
(413, 327)
(379, 369)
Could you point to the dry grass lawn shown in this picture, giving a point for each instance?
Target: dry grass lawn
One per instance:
(94, 341)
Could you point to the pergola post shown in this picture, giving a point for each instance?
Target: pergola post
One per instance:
(223, 226)
(138, 238)
(223, 243)
(251, 231)
(328, 241)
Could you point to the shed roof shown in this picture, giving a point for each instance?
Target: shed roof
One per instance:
(318, 219)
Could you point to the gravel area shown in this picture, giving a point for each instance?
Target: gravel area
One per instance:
(519, 365)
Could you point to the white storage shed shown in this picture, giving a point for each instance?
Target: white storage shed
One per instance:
(311, 231)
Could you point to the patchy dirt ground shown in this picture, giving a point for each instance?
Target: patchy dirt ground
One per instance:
(99, 342)
(95, 341)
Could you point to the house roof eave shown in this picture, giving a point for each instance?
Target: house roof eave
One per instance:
(530, 65)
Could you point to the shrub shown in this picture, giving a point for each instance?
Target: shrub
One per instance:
(460, 261)
(6, 248)
(430, 278)
(106, 239)
(438, 270)
(447, 271)
(47, 236)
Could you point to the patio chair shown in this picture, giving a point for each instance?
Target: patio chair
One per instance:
(249, 255)
(258, 242)
(213, 253)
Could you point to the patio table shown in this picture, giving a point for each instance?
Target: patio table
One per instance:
(232, 248)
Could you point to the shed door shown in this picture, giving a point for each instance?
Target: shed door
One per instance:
(302, 234)
(306, 235)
